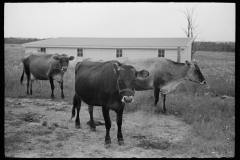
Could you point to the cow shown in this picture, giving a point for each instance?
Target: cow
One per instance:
(40, 66)
(107, 84)
(165, 76)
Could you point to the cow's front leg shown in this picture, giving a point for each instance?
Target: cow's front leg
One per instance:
(52, 86)
(119, 124)
(61, 86)
(163, 98)
(156, 98)
(105, 111)
(91, 123)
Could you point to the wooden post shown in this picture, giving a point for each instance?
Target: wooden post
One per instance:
(178, 54)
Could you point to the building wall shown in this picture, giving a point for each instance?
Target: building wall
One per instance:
(100, 54)
(31, 49)
(110, 53)
(171, 54)
(186, 54)
(140, 53)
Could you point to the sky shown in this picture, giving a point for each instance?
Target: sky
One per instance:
(214, 21)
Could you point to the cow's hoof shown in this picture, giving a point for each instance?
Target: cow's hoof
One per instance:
(108, 141)
(165, 113)
(120, 143)
(78, 126)
(107, 144)
(157, 111)
(93, 129)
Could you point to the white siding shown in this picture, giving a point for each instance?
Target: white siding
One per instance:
(100, 54)
(186, 54)
(32, 49)
(171, 54)
(140, 53)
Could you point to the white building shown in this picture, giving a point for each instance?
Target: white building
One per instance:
(176, 49)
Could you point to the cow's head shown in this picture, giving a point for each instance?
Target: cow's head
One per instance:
(127, 76)
(63, 60)
(194, 74)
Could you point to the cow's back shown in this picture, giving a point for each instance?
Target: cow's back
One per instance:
(95, 82)
(153, 65)
(40, 64)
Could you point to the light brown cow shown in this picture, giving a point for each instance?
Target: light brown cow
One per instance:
(41, 66)
(165, 75)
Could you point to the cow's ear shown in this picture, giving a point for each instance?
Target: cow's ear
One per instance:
(56, 57)
(116, 67)
(142, 74)
(187, 63)
(71, 58)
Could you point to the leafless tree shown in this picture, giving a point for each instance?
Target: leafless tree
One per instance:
(192, 29)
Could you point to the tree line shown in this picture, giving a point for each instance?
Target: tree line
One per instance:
(12, 40)
(214, 46)
(197, 46)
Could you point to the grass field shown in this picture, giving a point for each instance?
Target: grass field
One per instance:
(211, 117)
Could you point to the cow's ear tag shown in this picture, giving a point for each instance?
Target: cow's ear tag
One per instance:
(116, 67)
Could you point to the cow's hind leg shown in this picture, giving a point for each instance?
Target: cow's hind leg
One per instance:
(28, 79)
(76, 105)
(52, 87)
(105, 111)
(91, 122)
(163, 98)
(156, 98)
(119, 124)
(61, 86)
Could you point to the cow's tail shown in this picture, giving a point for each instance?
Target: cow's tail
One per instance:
(75, 103)
(26, 69)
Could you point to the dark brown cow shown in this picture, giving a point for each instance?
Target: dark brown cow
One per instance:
(165, 75)
(41, 66)
(108, 84)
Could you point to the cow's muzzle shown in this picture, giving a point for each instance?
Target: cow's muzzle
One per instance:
(64, 69)
(127, 99)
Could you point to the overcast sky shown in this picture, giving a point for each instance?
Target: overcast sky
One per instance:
(47, 20)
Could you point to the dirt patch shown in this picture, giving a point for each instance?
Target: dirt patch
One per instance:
(44, 128)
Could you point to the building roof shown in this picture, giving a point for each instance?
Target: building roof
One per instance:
(112, 42)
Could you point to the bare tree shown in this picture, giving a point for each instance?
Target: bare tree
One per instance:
(192, 29)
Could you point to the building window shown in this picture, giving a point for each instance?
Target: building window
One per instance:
(119, 53)
(43, 50)
(161, 53)
(80, 52)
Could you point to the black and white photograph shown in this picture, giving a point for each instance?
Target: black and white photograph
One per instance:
(119, 79)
